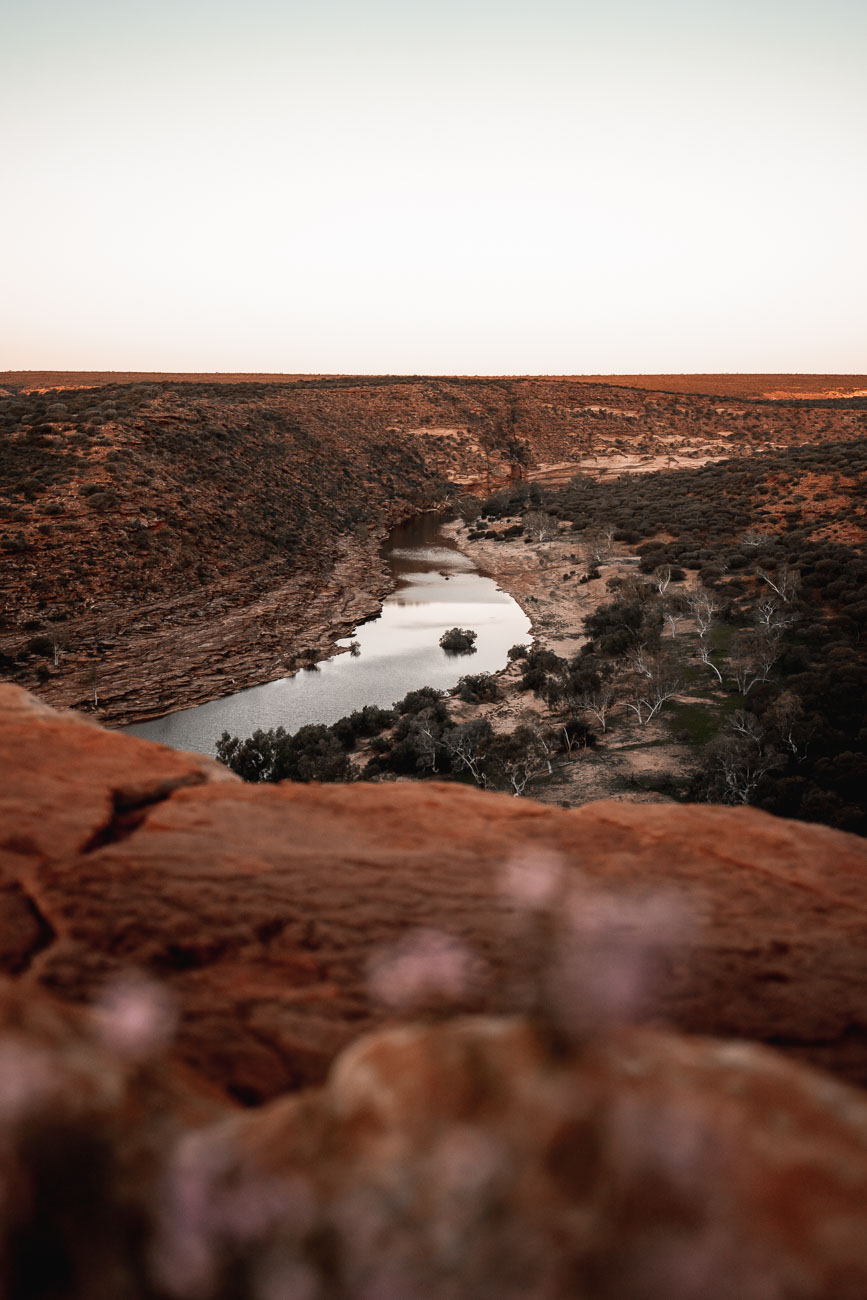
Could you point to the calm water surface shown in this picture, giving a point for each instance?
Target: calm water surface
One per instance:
(437, 588)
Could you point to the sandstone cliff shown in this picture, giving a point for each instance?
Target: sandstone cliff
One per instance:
(262, 908)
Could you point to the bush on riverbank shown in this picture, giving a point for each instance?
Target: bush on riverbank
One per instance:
(416, 738)
(313, 753)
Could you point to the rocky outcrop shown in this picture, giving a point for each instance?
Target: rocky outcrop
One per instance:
(470, 1159)
(69, 785)
(285, 921)
(233, 942)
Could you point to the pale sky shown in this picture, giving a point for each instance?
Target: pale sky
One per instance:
(462, 187)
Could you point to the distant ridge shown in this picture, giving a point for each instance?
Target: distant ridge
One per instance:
(779, 386)
(734, 385)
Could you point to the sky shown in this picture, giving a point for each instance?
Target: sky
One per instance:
(448, 187)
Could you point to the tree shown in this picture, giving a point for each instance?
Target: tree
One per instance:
(735, 766)
(772, 617)
(674, 608)
(704, 652)
(575, 734)
(756, 537)
(469, 508)
(417, 739)
(427, 733)
(785, 582)
(536, 666)
(579, 688)
(622, 624)
(752, 654)
(467, 746)
(253, 759)
(747, 725)
(703, 608)
(475, 688)
(599, 542)
(91, 679)
(517, 759)
(786, 719)
(424, 697)
(654, 679)
(661, 578)
(641, 660)
(540, 524)
(313, 753)
(597, 699)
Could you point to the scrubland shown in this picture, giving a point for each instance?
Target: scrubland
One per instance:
(166, 542)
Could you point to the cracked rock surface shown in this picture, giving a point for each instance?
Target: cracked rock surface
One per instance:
(261, 909)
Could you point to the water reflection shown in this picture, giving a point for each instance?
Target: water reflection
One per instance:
(399, 650)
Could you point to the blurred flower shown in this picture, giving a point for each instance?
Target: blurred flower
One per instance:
(610, 956)
(424, 967)
(134, 1017)
(532, 880)
(216, 1207)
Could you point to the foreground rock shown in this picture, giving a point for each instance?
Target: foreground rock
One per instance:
(472, 1160)
(267, 912)
(89, 1115)
(475, 1158)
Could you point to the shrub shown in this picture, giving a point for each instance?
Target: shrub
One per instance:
(459, 641)
(477, 687)
(102, 500)
(313, 753)
(424, 698)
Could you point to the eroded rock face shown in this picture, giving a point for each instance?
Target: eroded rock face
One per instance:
(66, 780)
(261, 909)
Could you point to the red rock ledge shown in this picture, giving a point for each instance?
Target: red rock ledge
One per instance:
(260, 909)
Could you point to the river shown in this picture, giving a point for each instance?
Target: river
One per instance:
(398, 650)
